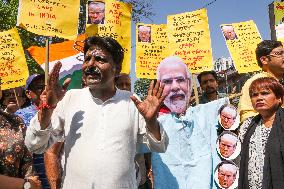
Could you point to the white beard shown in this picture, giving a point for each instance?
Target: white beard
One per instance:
(176, 106)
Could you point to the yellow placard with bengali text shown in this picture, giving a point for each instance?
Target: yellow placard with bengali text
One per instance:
(118, 26)
(242, 45)
(189, 38)
(151, 48)
(50, 17)
(13, 66)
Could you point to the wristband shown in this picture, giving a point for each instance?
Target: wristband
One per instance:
(45, 106)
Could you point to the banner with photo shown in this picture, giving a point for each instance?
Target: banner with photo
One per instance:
(13, 66)
(242, 39)
(115, 24)
(151, 48)
(189, 38)
(279, 20)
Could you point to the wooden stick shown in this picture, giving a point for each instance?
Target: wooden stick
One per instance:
(16, 96)
(195, 89)
(46, 67)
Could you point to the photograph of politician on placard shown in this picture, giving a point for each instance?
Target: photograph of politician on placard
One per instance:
(226, 175)
(144, 34)
(96, 12)
(228, 145)
(229, 32)
(228, 117)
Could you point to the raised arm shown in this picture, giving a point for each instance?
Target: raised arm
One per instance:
(149, 108)
(52, 94)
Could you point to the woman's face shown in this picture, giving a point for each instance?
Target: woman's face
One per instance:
(264, 100)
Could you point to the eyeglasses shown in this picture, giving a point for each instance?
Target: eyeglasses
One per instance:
(179, 80)
(277, 54)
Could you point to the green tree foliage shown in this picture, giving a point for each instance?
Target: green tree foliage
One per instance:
(141, 87)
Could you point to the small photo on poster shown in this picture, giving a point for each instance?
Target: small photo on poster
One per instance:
(228, 117)
(144, 34)
(226, 175)
(96, 12)
(228, 145)
(229, 32)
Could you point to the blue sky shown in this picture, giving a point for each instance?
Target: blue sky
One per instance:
(220, 12)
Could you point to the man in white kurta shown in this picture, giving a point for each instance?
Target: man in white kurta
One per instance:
(100, 139)
(100, 136)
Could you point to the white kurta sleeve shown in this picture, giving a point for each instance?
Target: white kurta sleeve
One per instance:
(38, 140)
(146, 137)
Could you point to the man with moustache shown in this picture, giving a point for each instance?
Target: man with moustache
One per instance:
(101, 125)
(209, 86)
(191, 154)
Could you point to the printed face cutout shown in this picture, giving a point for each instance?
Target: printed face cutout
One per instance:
(228, 145)
(229, 118)
(226, 175)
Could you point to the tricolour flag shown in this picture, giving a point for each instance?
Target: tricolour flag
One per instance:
(67, 53)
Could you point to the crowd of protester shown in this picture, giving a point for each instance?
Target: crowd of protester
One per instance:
(48, 139)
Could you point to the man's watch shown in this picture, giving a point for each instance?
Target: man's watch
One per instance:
(27, 184)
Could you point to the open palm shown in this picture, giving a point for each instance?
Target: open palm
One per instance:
(150, 106)
(54, 92)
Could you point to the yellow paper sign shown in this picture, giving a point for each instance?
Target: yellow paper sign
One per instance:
(279, 20)
(189, 38)
(151, 49)
(117, 25)
(13, 66)
(50, 17)
(242, 39)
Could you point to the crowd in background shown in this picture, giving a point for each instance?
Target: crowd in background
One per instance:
(261, 130)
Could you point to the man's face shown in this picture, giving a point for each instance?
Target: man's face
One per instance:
(9, 98)
(226, 178)
(229, 33)
(208, 84)
(227, 119)
(123, 82)
(176, 86)
(226, 147)
(98, 68)
(35, 90)
(144, 36)
(275, 62)
(96, 14)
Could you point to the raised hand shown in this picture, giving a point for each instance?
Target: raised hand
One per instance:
(54, 92)
(150, 106)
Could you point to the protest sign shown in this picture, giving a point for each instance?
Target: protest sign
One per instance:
(242, 39)
(50, 17)
(13, 66)
(151, 48)
(189, 38)
(279, 20)
(117, 24)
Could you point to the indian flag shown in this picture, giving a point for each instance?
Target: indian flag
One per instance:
(69, 53)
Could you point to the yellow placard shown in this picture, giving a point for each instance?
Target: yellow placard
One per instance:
(189, 38)
(50, 17)
(151, 49)
(242, 39)
(13, 66)
(279, 20)
(117, 25)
